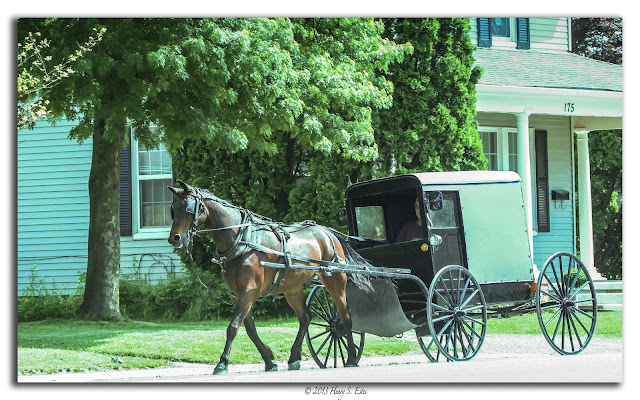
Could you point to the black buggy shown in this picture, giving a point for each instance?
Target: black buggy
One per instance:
(450, 250)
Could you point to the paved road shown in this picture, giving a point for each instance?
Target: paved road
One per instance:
(503, 358)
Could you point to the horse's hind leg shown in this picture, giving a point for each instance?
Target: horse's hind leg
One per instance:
(296, 302)
(336, 285)
(265, 352)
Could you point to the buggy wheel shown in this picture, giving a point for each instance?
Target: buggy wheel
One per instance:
(456, 313)
(566, 303)
(430, 350)
(326, 336)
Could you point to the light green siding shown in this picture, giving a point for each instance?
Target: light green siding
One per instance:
(148, 259)
(52, 208)
(549, 34)
(53, 217)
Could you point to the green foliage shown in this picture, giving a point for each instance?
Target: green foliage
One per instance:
(184, 298)
(38, 303)
(581, 280)
(37, 74)
(605, 157)
(300, 170)
(597, 38)
(431, 125)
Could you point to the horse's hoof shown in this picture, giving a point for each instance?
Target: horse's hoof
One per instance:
(220, 369)
(272, 369)
(294, 366)
(349, 365)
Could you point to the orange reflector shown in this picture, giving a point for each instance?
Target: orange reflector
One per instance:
(424, 247)
(534, 286)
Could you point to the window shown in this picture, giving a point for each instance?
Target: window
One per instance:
(445, 218)
(503, 32)
(500, 27)
(500, 146)
(151, 173)
(370, 222)
(154, 175)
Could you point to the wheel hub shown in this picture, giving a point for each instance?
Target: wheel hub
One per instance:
(459, 313)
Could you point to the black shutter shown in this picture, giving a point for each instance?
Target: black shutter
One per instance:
(523, 37)
(542, 181)
(126, 218)
(484, 32)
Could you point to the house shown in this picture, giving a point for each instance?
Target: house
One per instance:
(535, 99)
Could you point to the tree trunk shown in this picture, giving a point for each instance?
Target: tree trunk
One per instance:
(101, 293)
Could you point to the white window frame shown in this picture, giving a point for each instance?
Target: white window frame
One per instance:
(502, 135)
(140, 232)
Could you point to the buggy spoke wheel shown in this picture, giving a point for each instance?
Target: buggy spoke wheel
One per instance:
(429, 349)
(326, 337)
(456, 314)
(566, 303)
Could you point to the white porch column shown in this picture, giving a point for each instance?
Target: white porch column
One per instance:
(584, 200)
(524, 170)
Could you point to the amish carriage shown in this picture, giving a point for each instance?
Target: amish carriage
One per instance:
(437, 253)
(469, 259)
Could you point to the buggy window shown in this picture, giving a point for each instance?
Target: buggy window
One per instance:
(446, 217)
(370, 222)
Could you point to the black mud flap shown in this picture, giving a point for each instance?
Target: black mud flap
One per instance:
(378, 313)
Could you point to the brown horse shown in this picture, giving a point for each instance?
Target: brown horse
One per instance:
(244, 241)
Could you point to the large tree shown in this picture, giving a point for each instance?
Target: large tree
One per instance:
(601, 39)
(231, 84)
(431, 125)
(338, 87)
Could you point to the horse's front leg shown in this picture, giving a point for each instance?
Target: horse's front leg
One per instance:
(243, 308)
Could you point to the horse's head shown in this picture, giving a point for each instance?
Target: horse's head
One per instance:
(184, 210)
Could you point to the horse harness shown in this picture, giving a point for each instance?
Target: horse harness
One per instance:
(243, 242)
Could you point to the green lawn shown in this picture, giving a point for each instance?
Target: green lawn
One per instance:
(62, 345)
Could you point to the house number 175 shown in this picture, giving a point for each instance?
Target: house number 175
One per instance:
(568, 107)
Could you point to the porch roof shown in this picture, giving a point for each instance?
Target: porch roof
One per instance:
(531, 68)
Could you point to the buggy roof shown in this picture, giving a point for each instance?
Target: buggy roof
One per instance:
(466, 177)
(418, 180)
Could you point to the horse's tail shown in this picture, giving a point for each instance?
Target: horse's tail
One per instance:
(352, 257)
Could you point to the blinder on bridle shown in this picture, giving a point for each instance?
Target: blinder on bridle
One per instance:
(191, 207)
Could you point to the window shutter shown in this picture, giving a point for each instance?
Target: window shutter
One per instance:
(542, 181)
(126, 219)
(484, 32)
(523, 37)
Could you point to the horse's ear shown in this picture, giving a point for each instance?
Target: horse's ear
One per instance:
(176, 191)
(185, 187)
